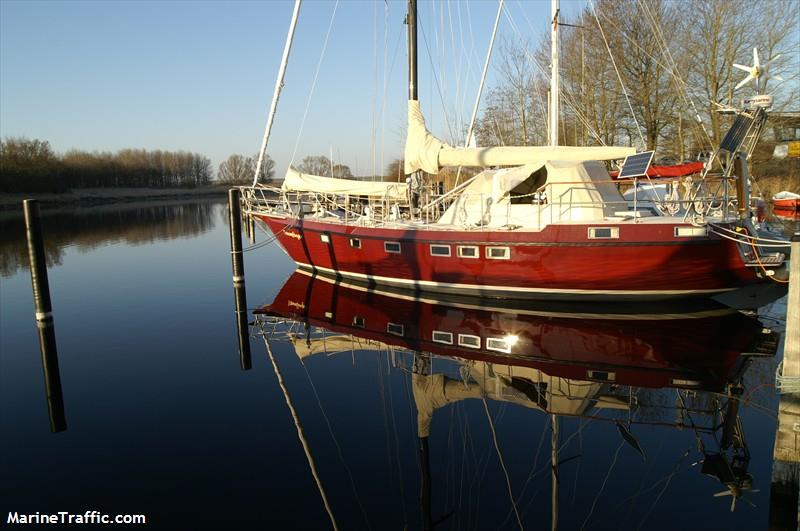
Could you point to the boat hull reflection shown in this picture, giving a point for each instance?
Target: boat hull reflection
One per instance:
(672, 345)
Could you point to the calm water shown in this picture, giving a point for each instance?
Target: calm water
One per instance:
(161, 419)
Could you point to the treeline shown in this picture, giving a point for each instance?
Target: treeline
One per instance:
(675, 60)
(32, 166)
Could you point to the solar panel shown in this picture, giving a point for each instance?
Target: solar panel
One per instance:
(735, 135)
(636, 165)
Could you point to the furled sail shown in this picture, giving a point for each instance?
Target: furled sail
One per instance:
(427, 153)
(303, 182)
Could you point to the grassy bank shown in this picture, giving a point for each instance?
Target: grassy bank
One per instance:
(100, 196)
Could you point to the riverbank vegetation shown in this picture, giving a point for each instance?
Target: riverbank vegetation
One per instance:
(31, 166)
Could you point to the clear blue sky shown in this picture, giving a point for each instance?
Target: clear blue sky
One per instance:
(199, 76)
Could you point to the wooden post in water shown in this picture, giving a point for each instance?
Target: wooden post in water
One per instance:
(44, 316)
(239, 291)
(784, 494)
(791, 345)
(38, 262)
(235, 217)
(240, 294)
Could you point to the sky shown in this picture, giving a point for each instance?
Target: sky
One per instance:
(199, 76)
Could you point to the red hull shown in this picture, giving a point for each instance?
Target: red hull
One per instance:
(786, 204)
(645, 348)
(647, 261)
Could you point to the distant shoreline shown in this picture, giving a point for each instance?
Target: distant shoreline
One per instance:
(102, 196)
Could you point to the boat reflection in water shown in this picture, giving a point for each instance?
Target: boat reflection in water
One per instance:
(607, 363)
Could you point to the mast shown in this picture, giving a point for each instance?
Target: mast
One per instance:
(278, 86)
(412, 49)
(554, 7)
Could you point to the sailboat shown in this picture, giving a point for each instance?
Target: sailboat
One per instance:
(543, 222)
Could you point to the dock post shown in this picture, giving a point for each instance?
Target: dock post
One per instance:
(235, 216)
(240, 294)
(44, 316)
(38, 262)
(791, 345)
(239, 290)
(785, 489)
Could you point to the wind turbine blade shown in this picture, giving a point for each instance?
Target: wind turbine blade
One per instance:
(743, 82)
(743, 67)
(778, 78)
(733, 503)
(755, 57)
(722, 493)
(773, 59)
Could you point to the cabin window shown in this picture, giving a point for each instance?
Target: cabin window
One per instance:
(603, 233)
(324, 238)
(467, 251)
(466, 340)
(499, 344)
(396, 329)
(690, 232)
(355, 243)
(440, 250)
(442, 337)
(328, 315)
(604, 376)
(359, 321)
(498, 253)
(391, 247)
(679, 382)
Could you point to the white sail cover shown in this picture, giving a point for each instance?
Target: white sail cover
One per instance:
(303, 182)
(427, 153)
(574, 191)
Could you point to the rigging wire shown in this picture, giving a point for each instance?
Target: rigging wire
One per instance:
(502, 463)
(300, 434)
(336, 443)
(314, 82)
(622, 85)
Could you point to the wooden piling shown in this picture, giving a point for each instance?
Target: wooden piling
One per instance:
(44, 316)
(791, 345)
(242, 326)
(38, 262)
(235, 216)
(52, 376)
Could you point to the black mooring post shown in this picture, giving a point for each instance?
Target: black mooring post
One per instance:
(44, 316)
(235, 215)
(36, 257)
(245, 361)
(239, 291)
(52, 376)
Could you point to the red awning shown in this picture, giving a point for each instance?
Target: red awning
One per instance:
(678, 170)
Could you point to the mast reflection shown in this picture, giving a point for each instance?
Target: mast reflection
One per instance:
(615, 364)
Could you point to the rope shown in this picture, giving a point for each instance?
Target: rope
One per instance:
(764, 269)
